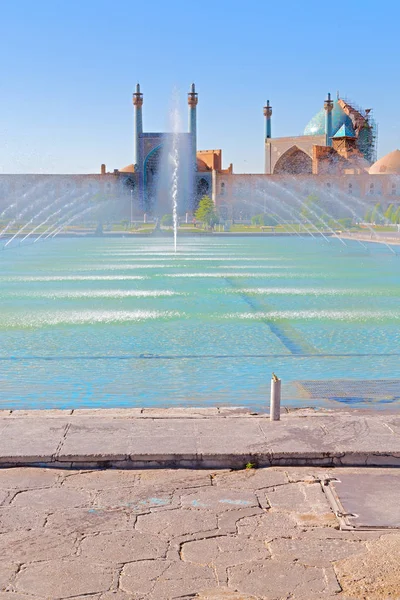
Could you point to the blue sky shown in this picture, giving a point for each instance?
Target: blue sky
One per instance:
(69, 68)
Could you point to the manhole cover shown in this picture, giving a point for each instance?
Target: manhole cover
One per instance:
(367, 500)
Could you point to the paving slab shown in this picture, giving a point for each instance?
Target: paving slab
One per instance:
(197, 438)
(368, 500)
(255, 534)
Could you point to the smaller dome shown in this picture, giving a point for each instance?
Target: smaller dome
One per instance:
(127, 169)
(202, 166)
(387, 165)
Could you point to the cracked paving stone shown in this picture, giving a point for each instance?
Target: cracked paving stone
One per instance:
(24, 518)
(318, 553)
(7, 571)
(167, 580)
(228, 521)
(115, 595)
(174, 523)
(16, 596)
(373, 574)
(24, 478)
(53, 498)
(174, 479)
(219, 499)
(4, 496)
(91, 520)
(137, 500)
(326, 533)
(308, 596)
(300, 498)
(268, 526)
(85, 597)
(273, 580)
(223, 594)
(102, 480)
(122, 547)
(224, 551)
(63, 579)
(139, 577)
(35, 545)
(251, 479)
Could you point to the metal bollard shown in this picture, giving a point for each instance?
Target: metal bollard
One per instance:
(275, 405)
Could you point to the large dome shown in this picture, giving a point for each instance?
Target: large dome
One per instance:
(317, 124)
(388, 165)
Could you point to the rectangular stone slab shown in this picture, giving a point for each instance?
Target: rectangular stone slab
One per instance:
(374, 498)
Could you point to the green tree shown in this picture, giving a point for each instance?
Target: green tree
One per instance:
(263, 219)
(376, 215)
(167, 220)
(345, 222)
(206, 212)
(310, 208)
(396, 216)
(367, 217)
(388, 212)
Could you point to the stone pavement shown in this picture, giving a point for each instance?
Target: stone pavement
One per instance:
(254, 534)
(201, 438)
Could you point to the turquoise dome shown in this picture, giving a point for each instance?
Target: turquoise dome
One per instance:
(317, 124)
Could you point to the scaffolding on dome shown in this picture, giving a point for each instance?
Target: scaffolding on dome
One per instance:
(367, 128)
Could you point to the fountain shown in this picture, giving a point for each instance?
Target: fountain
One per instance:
(175, 172)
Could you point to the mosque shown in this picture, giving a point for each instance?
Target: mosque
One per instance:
(334, 160)
(335, 154)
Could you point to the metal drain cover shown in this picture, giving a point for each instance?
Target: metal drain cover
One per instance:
(366, 500)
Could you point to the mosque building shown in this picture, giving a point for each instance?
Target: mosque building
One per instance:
(334, 160)
(334, 154)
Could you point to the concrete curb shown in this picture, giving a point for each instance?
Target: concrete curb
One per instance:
(197, 438)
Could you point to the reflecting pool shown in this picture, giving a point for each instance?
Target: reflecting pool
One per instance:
(96, 322)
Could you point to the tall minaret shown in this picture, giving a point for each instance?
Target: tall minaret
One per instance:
(267, 115)
(192, 102)
(137, 100)
(328, 106)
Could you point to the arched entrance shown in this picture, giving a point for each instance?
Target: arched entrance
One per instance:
(202, 189)
(294, 162)
(151, 173)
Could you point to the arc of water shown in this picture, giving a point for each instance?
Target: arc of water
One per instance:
(291, 194)
(373, 232)
(5, 211)
(288, 209)
(275, 216)
(58, 221)
(289, 212)
(57, 212)
(308, 221)
(21, 214)
(347, 207)
(80, 214)
(41, 224)
(31, 221)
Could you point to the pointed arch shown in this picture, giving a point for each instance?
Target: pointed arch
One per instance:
(295, 162)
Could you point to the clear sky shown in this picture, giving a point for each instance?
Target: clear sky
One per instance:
(69, 67)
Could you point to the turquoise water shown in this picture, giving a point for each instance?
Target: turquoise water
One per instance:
(126, 322)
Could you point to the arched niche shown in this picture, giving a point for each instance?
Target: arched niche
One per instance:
(294, 162)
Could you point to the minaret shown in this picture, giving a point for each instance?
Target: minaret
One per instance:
(267, 115)
(328, 106)
(192, 102)
(137, 100)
